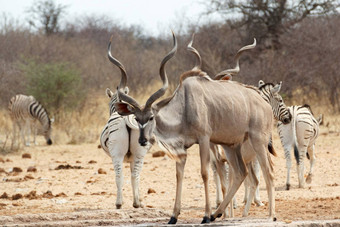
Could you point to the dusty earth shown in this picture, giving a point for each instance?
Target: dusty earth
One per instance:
(74, 185)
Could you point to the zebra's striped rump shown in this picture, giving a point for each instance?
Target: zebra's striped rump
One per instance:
(300, 135)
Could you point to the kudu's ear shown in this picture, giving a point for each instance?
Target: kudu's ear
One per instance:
(109, 93)
(124, 109)
(261, 83)
(126, 90)
(227, 77)
(276, 88)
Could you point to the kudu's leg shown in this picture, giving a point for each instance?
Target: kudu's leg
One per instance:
(312, 158)
(179, 178)
(239, 174)
(205, 159)
(138, 153)
(265, 162)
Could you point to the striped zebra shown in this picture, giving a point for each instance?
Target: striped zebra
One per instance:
(119, 140)
(25, 112)
(301, 134)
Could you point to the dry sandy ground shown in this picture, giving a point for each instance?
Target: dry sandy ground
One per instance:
(79, 195)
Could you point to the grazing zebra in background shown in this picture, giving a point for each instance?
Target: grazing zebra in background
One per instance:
(119, 139)
(301, 134)
(25, 111)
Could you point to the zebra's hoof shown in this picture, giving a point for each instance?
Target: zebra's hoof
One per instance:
(172, 221)
(138, 205)
(274, 219)
(205, 220)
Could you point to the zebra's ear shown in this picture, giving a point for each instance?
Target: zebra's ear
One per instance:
(124, 109)
(261, 83)
(276, 88)
(109, 93)
(52, 120)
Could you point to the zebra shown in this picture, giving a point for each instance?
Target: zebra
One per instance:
(25, 111)
(119, 140)
(301, 134)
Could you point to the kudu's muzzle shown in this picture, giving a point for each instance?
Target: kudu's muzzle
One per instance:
(142, 140)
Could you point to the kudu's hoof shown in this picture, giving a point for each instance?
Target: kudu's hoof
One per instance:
(287, 187)
(118, 206)
(173, 220)
(205, 220)
(274, 219)
(213, 219)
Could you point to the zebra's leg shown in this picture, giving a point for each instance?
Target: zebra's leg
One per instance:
(257, 199)
(251, 185)
(138, 153)
(246, 184)
(300, 166)
(27, 133)
(288, 158)
(35, 132)
(213, 163)
(312, 158)
(239, 173)
(118, 145)
(15, 133)
(217, 183)
(220, 169)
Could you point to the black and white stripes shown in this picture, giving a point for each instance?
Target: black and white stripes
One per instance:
(119, 139)
(300, 134)
(25, 111)
(270, 93)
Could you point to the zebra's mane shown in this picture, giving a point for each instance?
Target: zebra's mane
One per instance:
(308, 107)
(265, 85)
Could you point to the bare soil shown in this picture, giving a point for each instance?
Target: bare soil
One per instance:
(74, 185)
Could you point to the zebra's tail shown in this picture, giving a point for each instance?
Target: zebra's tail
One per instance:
(296, 150)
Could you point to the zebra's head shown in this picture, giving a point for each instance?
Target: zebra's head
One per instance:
(270, 93)
(114, 98)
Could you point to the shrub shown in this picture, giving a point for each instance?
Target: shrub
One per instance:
(58, 86)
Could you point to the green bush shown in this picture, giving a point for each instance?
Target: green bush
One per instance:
(58, 86)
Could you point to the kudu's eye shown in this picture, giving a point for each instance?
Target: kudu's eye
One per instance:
(151, 118)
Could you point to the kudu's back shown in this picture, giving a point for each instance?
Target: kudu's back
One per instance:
(228, 111)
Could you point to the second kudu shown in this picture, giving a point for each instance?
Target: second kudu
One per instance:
(200, 111)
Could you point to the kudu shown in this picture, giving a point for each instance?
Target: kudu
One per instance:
(200, 111)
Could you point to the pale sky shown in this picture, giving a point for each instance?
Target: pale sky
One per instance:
(154, 16)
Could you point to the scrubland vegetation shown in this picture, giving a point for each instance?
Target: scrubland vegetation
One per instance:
(67, 70)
